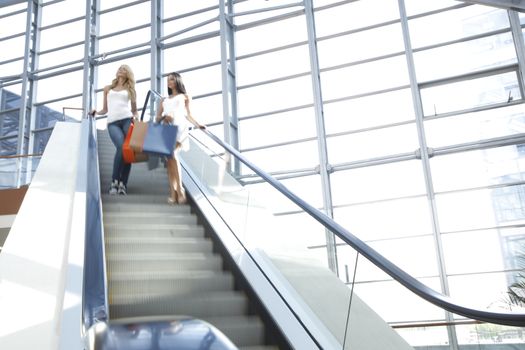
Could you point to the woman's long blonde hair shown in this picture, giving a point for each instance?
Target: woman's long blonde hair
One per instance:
(129, 82)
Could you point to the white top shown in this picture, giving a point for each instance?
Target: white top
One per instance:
(118, 105)
(176, 107)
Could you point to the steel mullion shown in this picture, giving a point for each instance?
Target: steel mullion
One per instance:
(425, 162)
(519, 45)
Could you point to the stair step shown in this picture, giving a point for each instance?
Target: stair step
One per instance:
(242, 330)
(150, 231)
(211, 304)
(147, 227)
(179, 262)
(134, 207)
(157, 284)
(147, 218)
(172, 245)
(136, 198)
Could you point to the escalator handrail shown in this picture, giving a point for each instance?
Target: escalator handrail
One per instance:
(411, 283)
(436, 298)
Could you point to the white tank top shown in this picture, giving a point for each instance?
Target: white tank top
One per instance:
(176, 106)
(118, 105)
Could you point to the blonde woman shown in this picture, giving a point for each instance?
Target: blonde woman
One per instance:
(120, 105)
(175, 109)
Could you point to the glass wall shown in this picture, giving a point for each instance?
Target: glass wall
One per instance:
(420, 105)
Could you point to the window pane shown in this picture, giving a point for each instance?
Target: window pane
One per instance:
(182, 24)
(417, 262)
(254, 5)
(465, 57)
(399, 218)
(372, 144)
(11, 25)
(407, 305)
(62, 11)
(255, 39)
(13, 68)
(56, 58)
(360, 46)
(485, 255)
(62, 35)
(460, 23)
(208, 110)
(475, 126)
(415, 7)
(276, 128)
(177, 8)
(477, 209)
(284, 94)
(192, 54)
(364, 78)
(273, 65)
(201, 81)
(289, 157)
(59, 86)
(470, 93)
(12, 8)
(308, 189)
(12, 48)
(125, 40)
(377, 183)
(357, 14)
(137, 15)
(369, 111)
(477, 168)
(479, 291)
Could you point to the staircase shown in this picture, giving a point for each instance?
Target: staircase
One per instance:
(160, 262)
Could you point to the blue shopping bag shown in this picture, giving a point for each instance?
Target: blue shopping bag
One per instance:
(160, 139)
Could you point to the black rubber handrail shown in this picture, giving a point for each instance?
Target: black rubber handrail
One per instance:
(432, 296)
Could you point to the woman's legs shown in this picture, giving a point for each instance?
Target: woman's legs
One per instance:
(177, 193)
(126, 167)
(171, 179)
(117, 132)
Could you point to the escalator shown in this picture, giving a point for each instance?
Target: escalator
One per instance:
(239, 256)
(161, 263)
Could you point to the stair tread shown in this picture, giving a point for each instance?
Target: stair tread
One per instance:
(167, 275)
(204, 297)
(163, 257)
(156, 240)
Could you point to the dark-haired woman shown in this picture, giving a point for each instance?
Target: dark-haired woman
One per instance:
(175, 109)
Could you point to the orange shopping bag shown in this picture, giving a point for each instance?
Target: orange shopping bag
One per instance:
(129, 155)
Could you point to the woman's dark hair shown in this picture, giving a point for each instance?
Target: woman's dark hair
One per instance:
(179, 85)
